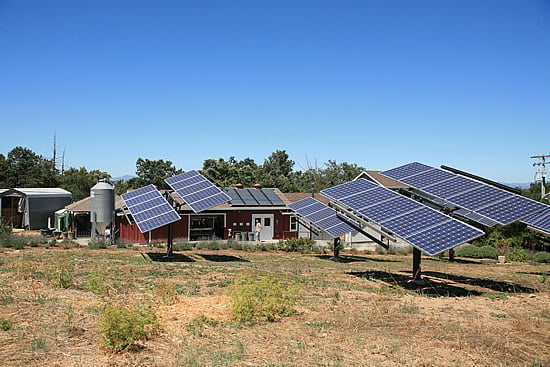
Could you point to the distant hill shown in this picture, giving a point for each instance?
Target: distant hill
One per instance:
(125, 177)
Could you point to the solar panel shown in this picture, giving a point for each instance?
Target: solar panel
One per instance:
(258, 195)
(322, 216)
(199, 193)
(540, 221)
(149, 209)
(273, 197)
(486, 204)
(475, 217)
(423, 227)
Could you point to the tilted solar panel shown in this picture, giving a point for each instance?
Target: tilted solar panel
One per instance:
(321, 215)
(149, 209)
(425, 228)
(199, 193)
(540, 221)
(492, 204)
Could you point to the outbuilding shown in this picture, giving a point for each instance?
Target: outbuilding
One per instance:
(32, 208)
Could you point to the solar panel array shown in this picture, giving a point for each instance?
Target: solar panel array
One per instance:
(539, 221)
(322, 216)
(149, 209)
(423, 227)
(199, 193)
(254, 197)
(480, 202)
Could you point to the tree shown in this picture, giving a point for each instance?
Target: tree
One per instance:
(27, 169)
(3, 172)
(231, 172)
(277, 172)
(154, 172)
(80, 181)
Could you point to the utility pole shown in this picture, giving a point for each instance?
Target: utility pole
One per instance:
(54, 152)
(541, 172)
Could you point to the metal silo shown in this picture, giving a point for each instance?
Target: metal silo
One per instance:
(102, 208)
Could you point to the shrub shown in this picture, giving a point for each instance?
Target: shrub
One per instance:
(97, 244)
(182, 246)
(61, 274)
(488, 252)
(303, 245)
(542, 257)
(468, 251)
(121, 326)
(257, 297)
(517, 254)
(97, 282)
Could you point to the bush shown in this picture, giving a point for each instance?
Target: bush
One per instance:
(5, 324)
(121, 326)
(5, 227)
(303, 245)
(97, 280)
(166, 292)
(257, 297)
(488, 252)
(182, 246)
(97, 244)
(468, 251)
(517, 254)
(542, 257)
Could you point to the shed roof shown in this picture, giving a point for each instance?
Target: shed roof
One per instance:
(85, 205)
(37, 192)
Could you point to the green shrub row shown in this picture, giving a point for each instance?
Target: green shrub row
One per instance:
(483, 252)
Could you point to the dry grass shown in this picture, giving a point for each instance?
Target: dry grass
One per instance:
(357, 313)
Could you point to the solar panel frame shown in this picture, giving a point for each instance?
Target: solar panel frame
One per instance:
(321, 216)
(540, 221)
(341, 191)
(197, 192)
(407, 170)
(273, 197)
(408, 220)
(149, 208)
(487, 204)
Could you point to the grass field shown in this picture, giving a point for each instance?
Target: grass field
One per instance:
(360, 312)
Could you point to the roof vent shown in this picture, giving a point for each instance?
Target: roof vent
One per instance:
(239, 186)
(257, 186)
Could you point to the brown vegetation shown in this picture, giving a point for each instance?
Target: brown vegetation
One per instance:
(360, 312)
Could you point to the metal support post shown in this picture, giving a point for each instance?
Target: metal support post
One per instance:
(417, 267)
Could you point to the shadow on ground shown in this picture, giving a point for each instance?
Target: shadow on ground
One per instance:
(223, 258)
(175, 258)
(436, 284)
(352, 259)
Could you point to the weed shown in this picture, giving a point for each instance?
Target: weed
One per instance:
(97, 244)
(97, 280)
(182, 246)
(542, 257)
(38, 344)
(61, 275)
(320, 324)
(303, 245)
(191, 290)
(517, 254)
(258, 297)
(409, 307)
(166, 292)
(199, 323)
(6, 297)
(5, 324)
(121, 326)
(498, 315)
(495, 295)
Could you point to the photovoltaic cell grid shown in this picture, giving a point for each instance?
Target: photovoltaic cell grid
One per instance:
(254, 197)
(321, 216)
(197, 192)
(486, 204)
(423, 227)
(149, 209)
(540, 221)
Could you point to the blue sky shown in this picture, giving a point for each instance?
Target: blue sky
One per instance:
(377, 83)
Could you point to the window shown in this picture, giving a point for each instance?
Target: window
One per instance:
(293, 224)
(267, 222)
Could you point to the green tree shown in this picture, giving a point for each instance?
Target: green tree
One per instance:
(3, 172)
(277, 172)
(80, 181)
(533, 192)
(154, 172)
(231, 172)
(27, 169)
